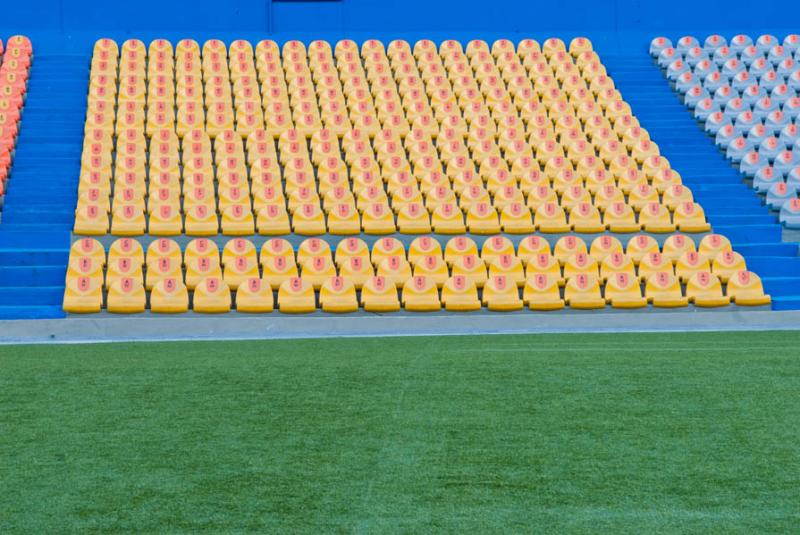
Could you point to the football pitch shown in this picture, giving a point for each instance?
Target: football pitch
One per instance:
(622, 433)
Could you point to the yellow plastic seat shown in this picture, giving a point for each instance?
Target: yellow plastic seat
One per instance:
(420, 294)
(127, 220)
(169, 296)
(640, 245)
(482, 219)
(386, 247)
(541, 292)
(580, 264)
(254, 295)
(655, 217)
(663, 290)
(623, 290)
(212, 295)
(413, 219)
(344, 219)
(459, 246)
(338, 294)
(273, 220)
(308, 219)
(89, 247)
(447, 218)
(83, 294)
(602, 246)
(311, 248)
(379, 295)
(126, 295)
(727, 264)
(652, 263)
(515, 218)
(713, 244)
(472, 267)
(395, 269)
(615, 263)
(532, 245)
(705, 290)
(745, 289)
(620, 217)
(500, 293)
(296, 296)
(378, 218)
(201, 267)
(91, 220)
(690, 263)
(121, 266)
(690, 217)
(551, 219)
(432, 267)
(459, 293)
(494, 247)
(676, 245)
(278, 269)
(317, 269)
(584, 217)
(201, 220)
(567, 246)
(583, 292)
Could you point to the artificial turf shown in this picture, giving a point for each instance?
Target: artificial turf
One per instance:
(566, 433)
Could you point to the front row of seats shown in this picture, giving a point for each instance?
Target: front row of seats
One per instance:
(419, 293)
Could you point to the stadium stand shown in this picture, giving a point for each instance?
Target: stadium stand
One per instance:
(15, 62)
(743, 92)
(386, 174)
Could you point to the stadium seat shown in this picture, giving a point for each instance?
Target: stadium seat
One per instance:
(338, 294)
(211, 295)
(254, 296)
(704, 290)
(379, 295)
(126, 295)
(583, 292)
(726, 264)
(83, 294)
(296, 296)
(432, 267)
(745, 289)
(663, 290)
(459, 293)
(676, 245)
(623, 290)
(713, 244)
(541, 292)
(500, 293)
(419, 294)
(169, 296)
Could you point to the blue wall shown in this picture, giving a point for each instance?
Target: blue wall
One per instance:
(71, 24)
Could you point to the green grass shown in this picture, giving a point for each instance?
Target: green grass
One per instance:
(565, 433)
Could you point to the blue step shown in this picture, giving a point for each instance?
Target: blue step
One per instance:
(39, 204)
(27, 312)
(39, 275)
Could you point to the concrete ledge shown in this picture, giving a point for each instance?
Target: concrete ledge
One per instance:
(109, 328)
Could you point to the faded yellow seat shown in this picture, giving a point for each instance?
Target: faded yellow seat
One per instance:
(379, 295)
(126, 295)
(459, 293)
(541, 292)
(705, 290)
(419, 294)
(254, 296)
(663, 289)
(296, 296)
(169, 296)
(500, 293)
(338, 294)
(745, 289)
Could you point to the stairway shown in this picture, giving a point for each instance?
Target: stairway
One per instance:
(39, 205)
(731, 206)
